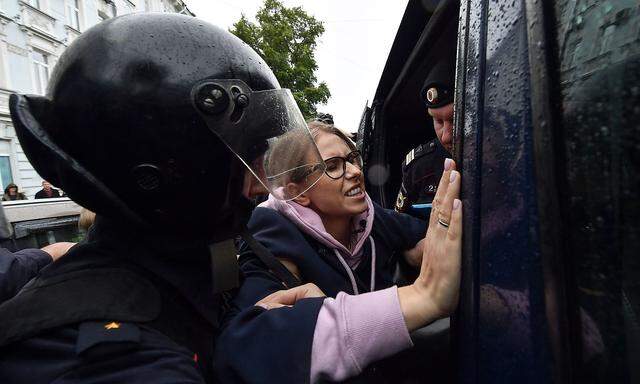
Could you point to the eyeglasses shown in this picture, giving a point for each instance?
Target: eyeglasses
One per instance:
(334, 167)
(337, 166)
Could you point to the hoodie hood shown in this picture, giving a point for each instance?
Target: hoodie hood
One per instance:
(309, 222)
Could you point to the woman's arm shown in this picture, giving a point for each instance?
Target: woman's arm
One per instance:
(353, 331)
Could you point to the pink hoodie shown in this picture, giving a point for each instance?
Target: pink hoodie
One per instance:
(351, 331)
(310, 223)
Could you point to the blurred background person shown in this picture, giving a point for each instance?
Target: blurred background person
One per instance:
(47, 191)
(11, 193)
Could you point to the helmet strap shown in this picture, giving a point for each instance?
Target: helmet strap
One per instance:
(224, 266)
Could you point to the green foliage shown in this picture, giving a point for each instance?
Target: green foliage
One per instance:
(286, 40)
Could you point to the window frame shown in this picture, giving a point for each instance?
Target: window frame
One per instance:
(41, 82)
(73, 8)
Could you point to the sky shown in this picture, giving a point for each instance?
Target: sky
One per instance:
(351, 54)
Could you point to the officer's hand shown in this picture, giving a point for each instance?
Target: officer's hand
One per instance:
(290, 296)
(435, 292)
(57, 250)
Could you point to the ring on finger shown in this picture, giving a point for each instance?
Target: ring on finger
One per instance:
(443, 223)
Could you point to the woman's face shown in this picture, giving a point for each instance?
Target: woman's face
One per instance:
(336, 198)
(13, 191)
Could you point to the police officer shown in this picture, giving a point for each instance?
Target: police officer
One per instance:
(143, 113)
(423, 165)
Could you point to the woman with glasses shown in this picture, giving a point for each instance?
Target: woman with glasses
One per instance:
(330, 234)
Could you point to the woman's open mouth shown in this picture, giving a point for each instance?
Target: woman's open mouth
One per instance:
(354, 192)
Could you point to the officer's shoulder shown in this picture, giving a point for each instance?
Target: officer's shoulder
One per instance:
(138, 352)
(106, 337)
(421, 150)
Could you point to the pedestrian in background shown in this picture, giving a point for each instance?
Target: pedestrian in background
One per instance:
(47, 191)
(11, 193)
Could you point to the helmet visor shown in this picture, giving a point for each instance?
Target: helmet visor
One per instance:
(267, 132)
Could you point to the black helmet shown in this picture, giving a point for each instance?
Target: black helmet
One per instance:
(149, 118)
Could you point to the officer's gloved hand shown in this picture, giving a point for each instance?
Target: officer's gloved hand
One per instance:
(57, 250)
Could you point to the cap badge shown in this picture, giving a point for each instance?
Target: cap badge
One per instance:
(432, 95)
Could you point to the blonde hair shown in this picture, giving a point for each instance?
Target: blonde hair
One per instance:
(316, 127)
(86, 219)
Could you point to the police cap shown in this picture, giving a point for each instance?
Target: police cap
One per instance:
(438, 88)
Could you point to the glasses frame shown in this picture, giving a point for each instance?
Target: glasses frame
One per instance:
(349, 158)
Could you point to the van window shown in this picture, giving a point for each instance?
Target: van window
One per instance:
(598, 60)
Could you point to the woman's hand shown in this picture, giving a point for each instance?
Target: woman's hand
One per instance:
(287, 298)
(435, 292)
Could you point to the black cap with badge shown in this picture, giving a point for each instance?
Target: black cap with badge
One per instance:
(438, 88)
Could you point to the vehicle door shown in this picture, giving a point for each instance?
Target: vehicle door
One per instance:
(547, 137)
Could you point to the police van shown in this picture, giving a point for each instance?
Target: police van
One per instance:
(547, 137)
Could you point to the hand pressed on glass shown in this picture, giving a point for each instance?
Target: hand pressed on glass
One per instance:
(435, 292)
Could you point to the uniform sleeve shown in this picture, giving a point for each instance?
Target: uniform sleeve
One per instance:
(327, 338)
(16, 269)
(263, 346)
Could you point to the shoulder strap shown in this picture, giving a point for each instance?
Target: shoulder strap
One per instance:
(121, 294)
(72, 297)
(278, 269)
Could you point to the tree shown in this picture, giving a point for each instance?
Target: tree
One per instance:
(286, 39)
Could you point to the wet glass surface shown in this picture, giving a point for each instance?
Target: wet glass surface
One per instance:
(598, 54)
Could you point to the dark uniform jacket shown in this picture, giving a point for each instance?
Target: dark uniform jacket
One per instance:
(275, 346)
(421, 172)
(96, 316)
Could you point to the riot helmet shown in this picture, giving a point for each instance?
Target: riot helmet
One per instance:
(152, 120)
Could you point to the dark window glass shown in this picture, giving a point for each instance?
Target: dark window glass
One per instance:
(600, 171)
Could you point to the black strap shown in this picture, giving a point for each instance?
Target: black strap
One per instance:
(277, 268)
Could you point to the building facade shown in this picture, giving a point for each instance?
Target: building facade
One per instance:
(33, 35)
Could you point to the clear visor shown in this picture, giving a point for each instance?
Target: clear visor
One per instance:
(275, 143)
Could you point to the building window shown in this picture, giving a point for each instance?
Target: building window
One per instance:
(41, 70)
(73, 14)
(574, 55)
(607, 38)
(5, 171)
